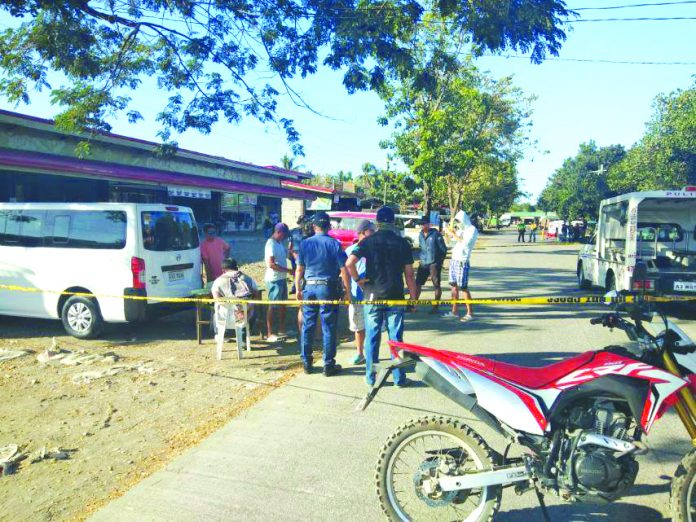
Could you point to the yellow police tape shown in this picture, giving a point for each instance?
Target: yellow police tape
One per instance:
(528, 244)
(552, 300)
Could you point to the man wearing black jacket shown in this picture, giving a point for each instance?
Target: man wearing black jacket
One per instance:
(388, 259)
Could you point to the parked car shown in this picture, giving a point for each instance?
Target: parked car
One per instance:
(655, 228)
(106, 250)
(343, 225)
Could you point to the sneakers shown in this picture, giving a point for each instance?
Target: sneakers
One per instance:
(450, 315)
(466, 318)
(403, 384)
(308, 368)
(273, 338)
(332, 370)
(358, 359)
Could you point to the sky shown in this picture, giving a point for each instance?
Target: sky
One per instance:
(576, 101)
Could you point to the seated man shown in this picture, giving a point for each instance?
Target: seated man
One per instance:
(232, 284)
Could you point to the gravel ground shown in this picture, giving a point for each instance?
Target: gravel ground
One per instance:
(128, 403)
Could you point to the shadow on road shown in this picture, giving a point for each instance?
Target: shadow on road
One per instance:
(585, 513)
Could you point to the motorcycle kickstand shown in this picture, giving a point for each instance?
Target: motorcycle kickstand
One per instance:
(544, 511)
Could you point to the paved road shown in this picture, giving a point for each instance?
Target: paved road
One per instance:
(304, 453)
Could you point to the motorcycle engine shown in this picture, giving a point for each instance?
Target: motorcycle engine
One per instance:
(591, 472)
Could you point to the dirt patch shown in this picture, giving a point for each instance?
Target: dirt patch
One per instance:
(125, 406)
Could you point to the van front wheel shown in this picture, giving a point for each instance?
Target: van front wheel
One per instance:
(81, 317)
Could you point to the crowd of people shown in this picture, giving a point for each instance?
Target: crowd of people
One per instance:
(375, 269)
(565, 232)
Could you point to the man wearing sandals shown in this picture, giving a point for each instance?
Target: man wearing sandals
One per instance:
(433, 251)
(465, 234)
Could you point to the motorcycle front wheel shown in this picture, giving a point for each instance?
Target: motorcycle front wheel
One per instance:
(419, 452)
(682, 501)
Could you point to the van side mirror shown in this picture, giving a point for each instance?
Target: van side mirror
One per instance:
(640, 272)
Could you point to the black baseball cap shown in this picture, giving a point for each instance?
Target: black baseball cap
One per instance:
(385, 215)
(321, 219)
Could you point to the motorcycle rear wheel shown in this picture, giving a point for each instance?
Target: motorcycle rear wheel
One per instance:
(682, 501)
(471, 452)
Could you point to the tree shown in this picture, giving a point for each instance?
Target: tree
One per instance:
(289, 163)
(576, 189)
(665, 157)
(458, 121)
(492, 188)
(522, 207)
(396, 189)
(211, 58)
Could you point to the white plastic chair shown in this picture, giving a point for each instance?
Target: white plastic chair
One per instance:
(224, 318)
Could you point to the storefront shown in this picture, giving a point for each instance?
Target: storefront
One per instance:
(38, 163)
(325, 199)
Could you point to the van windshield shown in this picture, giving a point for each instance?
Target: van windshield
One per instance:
(165, 231)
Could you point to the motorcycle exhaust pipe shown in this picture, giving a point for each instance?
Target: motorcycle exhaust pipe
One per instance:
(438, 379)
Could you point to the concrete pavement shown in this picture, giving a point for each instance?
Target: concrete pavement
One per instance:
(303, 453)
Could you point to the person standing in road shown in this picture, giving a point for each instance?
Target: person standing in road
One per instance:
(459, 264)
(520, 231)
(532, 232)
(356, 313)
(276, 257)
(388, 259)
(320, 272)
(433, 251)
(213, 250)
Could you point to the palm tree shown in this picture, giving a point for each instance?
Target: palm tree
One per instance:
(288, 163)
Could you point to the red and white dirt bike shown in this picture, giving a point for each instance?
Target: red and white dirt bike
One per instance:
(580, 423)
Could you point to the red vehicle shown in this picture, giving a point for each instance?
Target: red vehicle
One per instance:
(579, 422)
(343, 225)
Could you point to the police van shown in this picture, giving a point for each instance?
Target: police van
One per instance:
(106, 250)
(655, 228)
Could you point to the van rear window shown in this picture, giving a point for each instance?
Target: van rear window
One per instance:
(63, 228)
(169, 231)
(93, 229)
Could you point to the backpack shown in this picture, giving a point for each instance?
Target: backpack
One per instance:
(239, 289)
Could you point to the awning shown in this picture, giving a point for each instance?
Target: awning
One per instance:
(309, 188)
(50, 163)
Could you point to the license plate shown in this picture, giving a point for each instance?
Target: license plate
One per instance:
(175, 277)
(685, 286)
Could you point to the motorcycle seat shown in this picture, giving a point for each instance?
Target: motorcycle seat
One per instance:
(538, 377)
(527, 376)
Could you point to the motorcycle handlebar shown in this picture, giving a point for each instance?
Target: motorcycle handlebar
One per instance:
(597, 320)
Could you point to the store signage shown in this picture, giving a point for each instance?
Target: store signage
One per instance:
(320, 204)
(230, 200)
(188, 192)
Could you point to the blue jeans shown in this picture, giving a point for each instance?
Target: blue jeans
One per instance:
(375, 316)
(329, 320)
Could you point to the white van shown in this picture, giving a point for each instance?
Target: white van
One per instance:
(656, 228)
(104, 249)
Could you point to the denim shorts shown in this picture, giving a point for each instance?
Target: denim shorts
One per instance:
(277, 290)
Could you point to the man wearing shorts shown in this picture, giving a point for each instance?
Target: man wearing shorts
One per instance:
(276, 258)
(432, 254)
(466, 236)
(356, 313)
